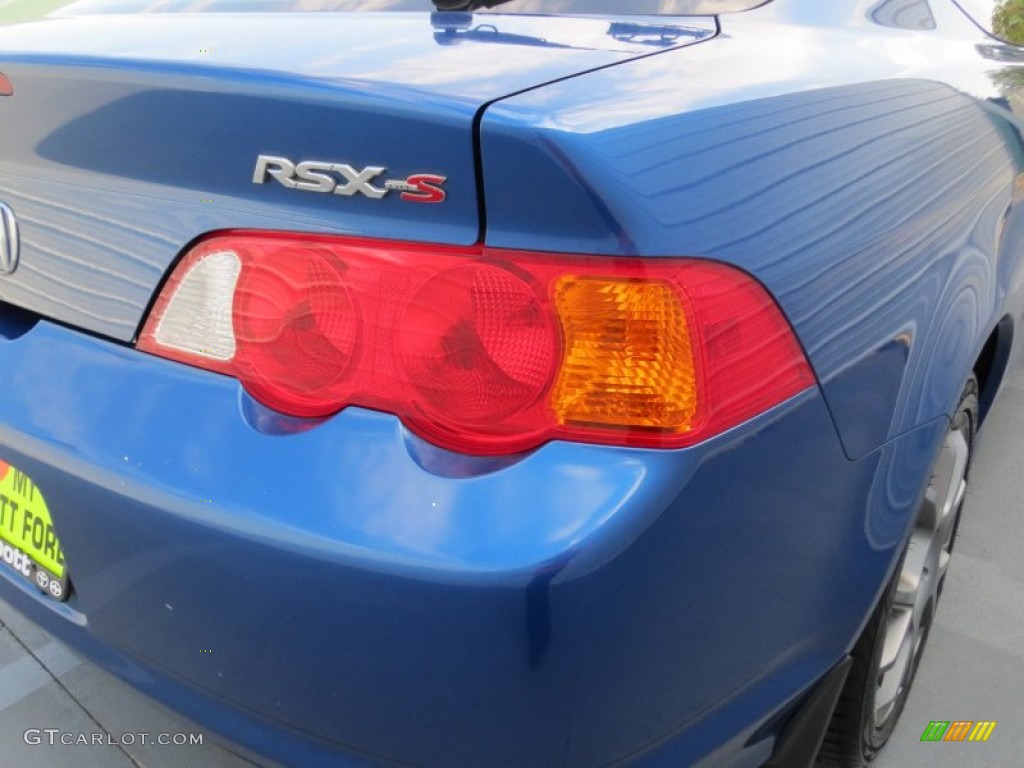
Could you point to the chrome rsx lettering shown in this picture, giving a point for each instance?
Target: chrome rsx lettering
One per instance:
(348, 181)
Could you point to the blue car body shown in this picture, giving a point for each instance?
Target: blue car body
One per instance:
(368, 598)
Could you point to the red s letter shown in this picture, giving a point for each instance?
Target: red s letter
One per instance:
(428, 188)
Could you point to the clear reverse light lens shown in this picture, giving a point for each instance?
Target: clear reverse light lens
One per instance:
(198, 317)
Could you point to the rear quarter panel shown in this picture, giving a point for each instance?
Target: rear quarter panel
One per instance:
(865, 172)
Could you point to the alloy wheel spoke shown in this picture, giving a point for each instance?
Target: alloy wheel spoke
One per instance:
(923, 567)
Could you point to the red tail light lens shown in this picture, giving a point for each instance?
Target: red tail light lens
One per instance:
(476, 342)
(296, 328)
(480, 350)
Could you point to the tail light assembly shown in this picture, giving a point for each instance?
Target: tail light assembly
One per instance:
(480, 350)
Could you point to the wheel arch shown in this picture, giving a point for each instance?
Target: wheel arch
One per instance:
(992, 363)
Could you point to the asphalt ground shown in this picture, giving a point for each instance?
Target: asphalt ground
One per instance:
(973, 670)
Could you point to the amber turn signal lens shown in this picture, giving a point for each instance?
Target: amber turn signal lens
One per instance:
(628, 358)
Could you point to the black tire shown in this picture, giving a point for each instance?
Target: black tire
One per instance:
(855, 737)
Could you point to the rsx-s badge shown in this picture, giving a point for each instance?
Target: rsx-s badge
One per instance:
(343, 179)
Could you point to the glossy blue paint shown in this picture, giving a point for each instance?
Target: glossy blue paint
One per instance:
(879, 182)
(377, 597)
(128, 139)
(577, 605)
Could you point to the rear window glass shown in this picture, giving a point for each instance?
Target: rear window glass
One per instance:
(576, 7)
(1002, 18)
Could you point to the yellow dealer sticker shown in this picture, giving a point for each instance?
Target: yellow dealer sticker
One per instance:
(28, 542)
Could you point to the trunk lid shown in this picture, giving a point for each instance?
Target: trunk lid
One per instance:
(129, 135)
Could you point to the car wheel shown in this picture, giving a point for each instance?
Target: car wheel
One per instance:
(886, 656)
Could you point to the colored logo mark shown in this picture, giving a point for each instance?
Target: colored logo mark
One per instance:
(958, 730)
